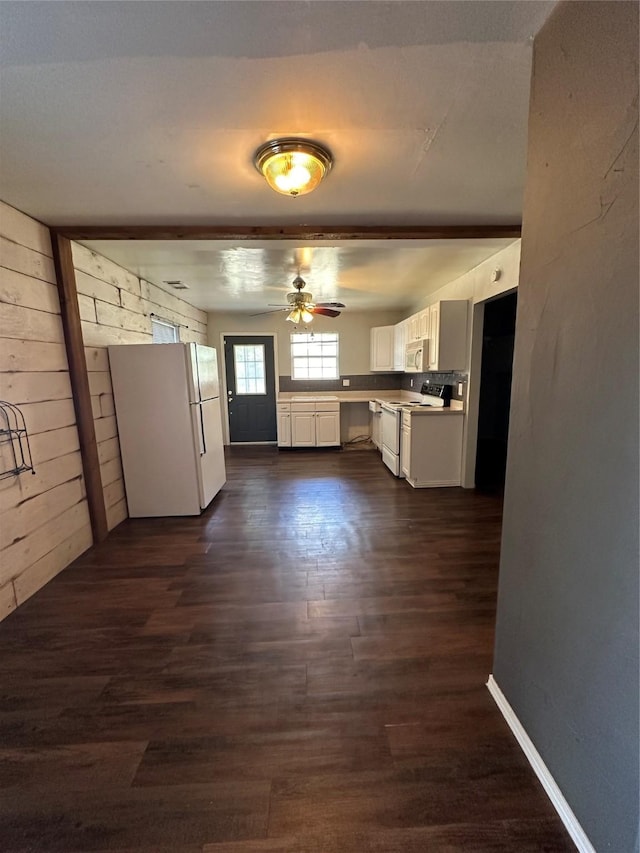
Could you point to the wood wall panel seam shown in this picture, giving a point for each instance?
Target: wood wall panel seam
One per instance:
(70, 314)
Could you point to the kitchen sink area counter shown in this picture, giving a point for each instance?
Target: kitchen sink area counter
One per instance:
(332, 419)
(349, 396)
(308, 420)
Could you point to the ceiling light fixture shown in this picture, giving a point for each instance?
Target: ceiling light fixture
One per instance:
(300, 314)
(293, 166)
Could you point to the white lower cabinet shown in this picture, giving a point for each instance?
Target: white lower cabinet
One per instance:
(432, 448)
(327, 429)
(284, 425)
(312, 424)
(405, 447)
(303, 429)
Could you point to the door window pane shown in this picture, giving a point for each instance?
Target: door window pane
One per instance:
(248, 361)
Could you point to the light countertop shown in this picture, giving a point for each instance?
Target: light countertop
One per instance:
(416, 411)
(457, 407)
(346, 396)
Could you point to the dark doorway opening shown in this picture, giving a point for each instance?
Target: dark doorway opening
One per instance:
(495, 392)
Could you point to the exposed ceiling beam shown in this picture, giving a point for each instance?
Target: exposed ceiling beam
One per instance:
(287, 232)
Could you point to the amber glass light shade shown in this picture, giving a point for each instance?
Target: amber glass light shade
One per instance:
(292, 166)
(300, 314)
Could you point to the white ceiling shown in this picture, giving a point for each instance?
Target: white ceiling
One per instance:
(149, 113)
(364, 275)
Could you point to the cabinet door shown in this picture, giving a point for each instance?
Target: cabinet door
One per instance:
(423, 321)
(434, 336)
(400, 344)
(327, 429)
(382, 346)
(414, 328)
(284, 429)
(405, 450)
(376, 438)
(303, 429)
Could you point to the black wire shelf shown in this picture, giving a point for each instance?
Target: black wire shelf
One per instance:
(15, 451)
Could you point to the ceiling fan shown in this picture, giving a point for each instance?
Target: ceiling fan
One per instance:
(301, 306)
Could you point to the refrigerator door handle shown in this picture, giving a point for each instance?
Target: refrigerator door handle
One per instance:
(203, 443)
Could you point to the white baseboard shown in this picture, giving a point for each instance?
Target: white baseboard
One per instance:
(554, 793)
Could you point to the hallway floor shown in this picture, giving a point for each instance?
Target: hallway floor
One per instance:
(300, 670)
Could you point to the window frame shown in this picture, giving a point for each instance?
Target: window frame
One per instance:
(245, 379)
(166, 324)
(311, 337)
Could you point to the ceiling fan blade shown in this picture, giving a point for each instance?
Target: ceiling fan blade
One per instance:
(326, 312)
(331, 304)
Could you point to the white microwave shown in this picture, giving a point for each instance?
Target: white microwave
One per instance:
(416, 357)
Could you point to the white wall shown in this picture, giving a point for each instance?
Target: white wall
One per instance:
(353, 328)
(44, 519)
(476, 284)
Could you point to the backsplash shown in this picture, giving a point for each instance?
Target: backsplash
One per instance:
(378, 382)
(439, 378)
(361, 382)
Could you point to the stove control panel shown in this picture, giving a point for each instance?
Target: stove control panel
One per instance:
(443, 392)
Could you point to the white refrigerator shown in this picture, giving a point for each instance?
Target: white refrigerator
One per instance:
(167, 403)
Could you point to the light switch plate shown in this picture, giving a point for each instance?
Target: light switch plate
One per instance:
(346, 383)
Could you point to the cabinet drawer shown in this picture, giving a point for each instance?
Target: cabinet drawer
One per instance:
(303, 407)
(406, 419)
(328, 407)
(283, 407)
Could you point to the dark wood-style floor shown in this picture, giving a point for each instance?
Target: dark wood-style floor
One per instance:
(300, 670)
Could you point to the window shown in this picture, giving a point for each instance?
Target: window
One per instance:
(164, 332)
(248, 361)
(314, 356)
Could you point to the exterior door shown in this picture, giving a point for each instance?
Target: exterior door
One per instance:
(251, 388)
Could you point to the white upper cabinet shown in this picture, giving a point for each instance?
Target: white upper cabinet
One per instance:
(443, 324)
(417, 326)
(400, 344)
(414, 328)
(423, 323)
(383, 348)
(448, 335)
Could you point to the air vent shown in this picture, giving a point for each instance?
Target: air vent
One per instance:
(177, 285)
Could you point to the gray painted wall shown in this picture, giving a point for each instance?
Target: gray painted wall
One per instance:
(566, 653)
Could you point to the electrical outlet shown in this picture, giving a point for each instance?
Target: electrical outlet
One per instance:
(346, 383)
(412, 383)
(460, 388)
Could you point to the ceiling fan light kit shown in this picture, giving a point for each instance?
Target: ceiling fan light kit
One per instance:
(300, 314)
(301, 306)
(293, 166)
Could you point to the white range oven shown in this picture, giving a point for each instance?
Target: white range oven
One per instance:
(391, 430)
(433, 395)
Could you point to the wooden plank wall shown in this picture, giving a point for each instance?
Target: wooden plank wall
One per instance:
(44, 520)
(115, 308)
